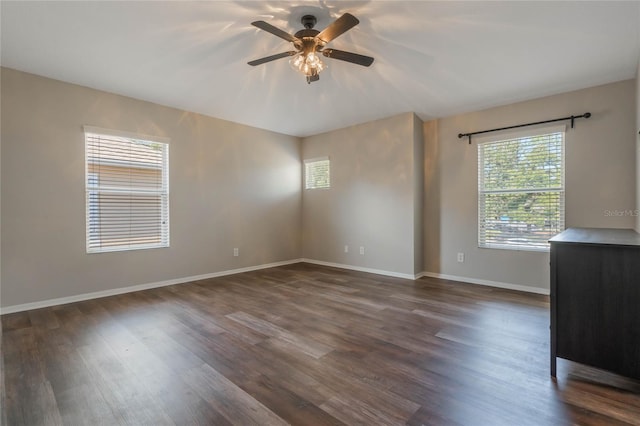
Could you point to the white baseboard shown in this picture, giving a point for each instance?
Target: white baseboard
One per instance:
(488, 283)
(362, 269)
(122, 290)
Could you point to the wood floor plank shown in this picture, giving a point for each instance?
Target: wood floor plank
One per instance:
(182, 403)
(26, 372)
(291, 406)
(123, 391)
(78, 398)
(3, 392)
(583, 397)
(346, 382)
(304, 345)
(15, 321)
(230, 400)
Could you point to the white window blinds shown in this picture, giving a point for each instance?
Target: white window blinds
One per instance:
(127, 192)
(521, 191)
(317, 173)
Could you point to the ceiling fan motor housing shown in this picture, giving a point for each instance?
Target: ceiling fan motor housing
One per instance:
(307, 35)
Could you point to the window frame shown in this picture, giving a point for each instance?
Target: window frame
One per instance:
(311, 162)
(93, 191)
(508, 137)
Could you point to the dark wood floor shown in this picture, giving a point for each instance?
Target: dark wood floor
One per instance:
(304, 345)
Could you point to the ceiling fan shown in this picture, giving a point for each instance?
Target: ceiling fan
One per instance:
(310, 42)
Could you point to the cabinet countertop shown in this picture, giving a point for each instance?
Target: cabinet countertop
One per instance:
(598, 236)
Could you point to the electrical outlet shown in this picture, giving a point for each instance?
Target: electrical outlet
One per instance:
(346, 249)
(460, 257)
(236, 252)
(362, 250)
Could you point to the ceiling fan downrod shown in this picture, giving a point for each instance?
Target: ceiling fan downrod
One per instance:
(308, 21)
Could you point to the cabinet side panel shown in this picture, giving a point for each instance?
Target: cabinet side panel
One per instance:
(554, 309)
(597, 306)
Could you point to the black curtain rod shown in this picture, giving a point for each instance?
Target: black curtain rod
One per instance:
(572, 118)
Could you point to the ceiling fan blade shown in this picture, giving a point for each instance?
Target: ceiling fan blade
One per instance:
(354, 58)
(272, 58)
(338, 27)
(274, 30)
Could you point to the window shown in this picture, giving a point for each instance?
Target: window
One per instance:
(127, 192)
(521, 191)
(316, 173)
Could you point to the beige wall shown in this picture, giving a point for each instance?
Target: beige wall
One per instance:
(3, 419)
(230, 186)
(412, 205)
(600, 176)
(372, 199)
(418, 194)
(637, 135)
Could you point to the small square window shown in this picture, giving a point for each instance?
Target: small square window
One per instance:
(317, 173)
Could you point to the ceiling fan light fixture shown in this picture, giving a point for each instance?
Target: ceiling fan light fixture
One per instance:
(307, 63)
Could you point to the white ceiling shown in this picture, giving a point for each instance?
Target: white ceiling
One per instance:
(434, 58)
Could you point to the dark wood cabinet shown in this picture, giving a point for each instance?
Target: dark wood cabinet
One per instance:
(595, 299)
